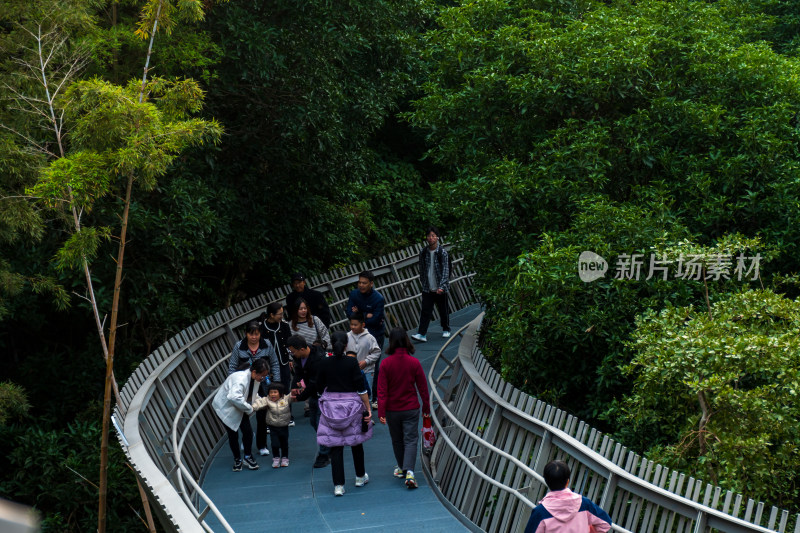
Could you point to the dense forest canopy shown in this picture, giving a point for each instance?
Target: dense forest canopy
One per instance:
(665, 129)
(309, 135)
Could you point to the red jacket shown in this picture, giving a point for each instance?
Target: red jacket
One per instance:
(399, 378)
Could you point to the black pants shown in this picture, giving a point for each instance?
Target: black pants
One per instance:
(261, 429)
(428, 301)
(279, 435)
(286, 381)
(337, 462)
(247, 438)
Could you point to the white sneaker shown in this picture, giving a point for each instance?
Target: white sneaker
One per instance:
(446, 333)
(338, 490)
(361, 481)
(263, 451)
(418, 337)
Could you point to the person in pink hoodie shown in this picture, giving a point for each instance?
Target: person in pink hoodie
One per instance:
(564, 511)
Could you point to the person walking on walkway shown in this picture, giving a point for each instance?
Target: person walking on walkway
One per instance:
(233, 404)
(277, 332)
(345, 414)
(434, 276)
(276, 405)
(401, 383)
(306, 367)
(564, 511)
(369, 302)
(310, 327)
(314, 299)
(366, 348)
(244, 352)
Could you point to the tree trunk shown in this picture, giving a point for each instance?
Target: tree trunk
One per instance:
(701, 432)
(112, 337)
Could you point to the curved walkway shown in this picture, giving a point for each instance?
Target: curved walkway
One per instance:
(300, 498)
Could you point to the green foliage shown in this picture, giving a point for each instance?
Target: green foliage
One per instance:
(114, 135)
(81, 246)
(391, 209)
(168, 14)
(13, 402)
(315, 82)
(745, 362)
(619, 128)
(562, 338)
(55, 469)
(664, 99)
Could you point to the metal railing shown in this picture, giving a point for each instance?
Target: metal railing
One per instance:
(167, 427)
(490, 432)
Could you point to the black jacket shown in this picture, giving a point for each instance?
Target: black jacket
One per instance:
(316, 304)
(340, 374)
(277, 339)
(309, 372)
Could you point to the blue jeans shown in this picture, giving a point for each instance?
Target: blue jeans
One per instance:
(379, 340)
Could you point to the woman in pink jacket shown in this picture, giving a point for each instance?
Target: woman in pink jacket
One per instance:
(564, 511)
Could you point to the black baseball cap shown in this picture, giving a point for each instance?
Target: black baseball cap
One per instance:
(297, 276)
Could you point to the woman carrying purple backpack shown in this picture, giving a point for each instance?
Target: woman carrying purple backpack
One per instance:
(345, 413)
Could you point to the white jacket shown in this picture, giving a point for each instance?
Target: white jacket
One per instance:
(230, 402)
(366, 348)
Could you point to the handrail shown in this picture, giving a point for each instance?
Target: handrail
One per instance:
(178, 447)
(436, 398)
(462, 370)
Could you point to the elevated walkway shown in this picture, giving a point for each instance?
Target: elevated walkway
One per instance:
(486, 466)
(300, 498)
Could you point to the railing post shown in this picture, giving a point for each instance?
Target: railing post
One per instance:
(608, 491)
(544, 453)
(700, 522)
(231, 335)
(455, 370)
(489, 436)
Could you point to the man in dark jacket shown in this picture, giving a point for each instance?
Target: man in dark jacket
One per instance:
(308, 360)
(434, 276)
(369, 302)
(315, 300)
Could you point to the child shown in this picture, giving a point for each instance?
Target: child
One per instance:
(351, 353)
(366, 348)
(564, 510)
(278, 418)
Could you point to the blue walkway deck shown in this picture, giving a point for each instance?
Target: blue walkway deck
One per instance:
(300, 498)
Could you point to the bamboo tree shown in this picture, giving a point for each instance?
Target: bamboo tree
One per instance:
(54, 67)
(134, 133)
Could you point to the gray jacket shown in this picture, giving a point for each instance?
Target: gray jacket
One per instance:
(366, 348)
(241, 354)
